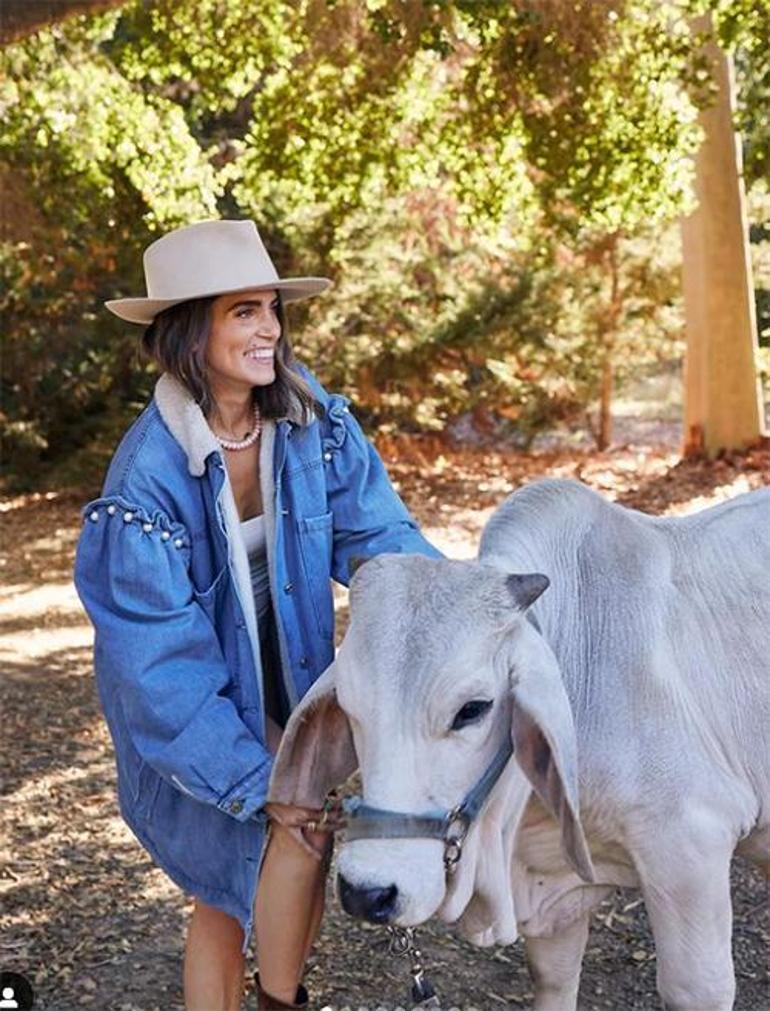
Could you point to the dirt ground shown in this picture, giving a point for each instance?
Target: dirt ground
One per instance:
(92, 923)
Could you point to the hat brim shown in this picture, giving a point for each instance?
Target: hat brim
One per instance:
(144, 310)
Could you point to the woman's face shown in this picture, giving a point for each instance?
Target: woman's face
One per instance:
(244, 330)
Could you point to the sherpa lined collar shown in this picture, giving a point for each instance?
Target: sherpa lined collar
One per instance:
(186, 422)
(188, 425)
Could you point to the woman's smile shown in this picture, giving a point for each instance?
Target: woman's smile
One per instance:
(261, 355)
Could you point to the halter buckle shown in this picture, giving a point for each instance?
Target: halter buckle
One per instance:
(457, 825)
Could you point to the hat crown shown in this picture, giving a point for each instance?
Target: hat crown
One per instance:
(204, 260)
(206, 257)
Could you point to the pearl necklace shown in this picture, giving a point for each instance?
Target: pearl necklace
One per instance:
(248, 440)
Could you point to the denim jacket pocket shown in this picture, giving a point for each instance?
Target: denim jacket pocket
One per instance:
(315, 543)
(213, 601)
(211, 596)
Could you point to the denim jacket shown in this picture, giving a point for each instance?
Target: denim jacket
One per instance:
(163, 574)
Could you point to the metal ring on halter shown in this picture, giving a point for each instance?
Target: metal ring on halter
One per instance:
(457, 825)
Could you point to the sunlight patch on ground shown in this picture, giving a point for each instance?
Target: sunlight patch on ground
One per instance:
(21, 602)
(43, 642)
(460, 537)
(720, 493)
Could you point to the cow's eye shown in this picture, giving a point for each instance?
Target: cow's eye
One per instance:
(471, 712)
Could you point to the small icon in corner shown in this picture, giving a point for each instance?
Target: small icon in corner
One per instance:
(15, 992)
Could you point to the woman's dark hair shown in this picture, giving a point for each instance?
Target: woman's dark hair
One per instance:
(176, 340)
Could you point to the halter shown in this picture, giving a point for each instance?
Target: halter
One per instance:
(450, 827)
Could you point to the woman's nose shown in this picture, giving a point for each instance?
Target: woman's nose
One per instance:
(268, 329)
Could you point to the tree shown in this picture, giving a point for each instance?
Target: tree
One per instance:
(488, 183)
(723, 401)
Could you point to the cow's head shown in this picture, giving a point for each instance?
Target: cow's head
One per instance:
(438, 665)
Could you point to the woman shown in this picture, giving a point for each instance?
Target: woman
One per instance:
(204, 566)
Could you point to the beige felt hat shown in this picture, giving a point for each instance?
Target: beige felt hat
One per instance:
(208, 258)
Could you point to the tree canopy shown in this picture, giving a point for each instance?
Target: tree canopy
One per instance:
(491, 185)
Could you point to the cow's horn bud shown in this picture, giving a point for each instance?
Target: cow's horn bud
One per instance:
(525, 589)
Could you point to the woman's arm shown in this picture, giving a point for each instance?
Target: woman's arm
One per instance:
(369, 516)
(156, 648)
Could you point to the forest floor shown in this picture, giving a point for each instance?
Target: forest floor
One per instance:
(92, 923)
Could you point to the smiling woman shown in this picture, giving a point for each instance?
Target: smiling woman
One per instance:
(205, 567)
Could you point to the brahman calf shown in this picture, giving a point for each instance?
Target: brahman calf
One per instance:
(636, 692)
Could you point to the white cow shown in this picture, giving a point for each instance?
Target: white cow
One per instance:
(639, 683)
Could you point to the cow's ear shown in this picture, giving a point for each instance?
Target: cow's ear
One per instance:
(544, 740)
(316, 751)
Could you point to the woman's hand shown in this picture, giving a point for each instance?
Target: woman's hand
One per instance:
(312, 828)
(329, 818)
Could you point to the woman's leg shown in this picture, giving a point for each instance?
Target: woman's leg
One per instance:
(213, 962)
(318, 901)
(290, 900)
(287, 912)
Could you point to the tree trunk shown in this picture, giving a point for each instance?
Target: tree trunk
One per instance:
(722, 399)
(604, 434)
(609, 336)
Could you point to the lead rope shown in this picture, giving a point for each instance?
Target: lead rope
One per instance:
(402, 942)
(402, 939)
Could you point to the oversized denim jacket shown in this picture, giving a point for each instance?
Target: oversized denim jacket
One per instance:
(162, 572)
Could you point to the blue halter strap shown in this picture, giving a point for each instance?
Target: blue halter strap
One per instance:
(450, 827)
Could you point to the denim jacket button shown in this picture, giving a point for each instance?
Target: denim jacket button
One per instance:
(127, 517)
(165, 536)
(94, 516)
(288, 588)
(303, 661)
(236, 806)
(327, 455)
(111, 509)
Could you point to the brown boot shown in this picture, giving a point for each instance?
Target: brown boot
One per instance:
(266, 1002)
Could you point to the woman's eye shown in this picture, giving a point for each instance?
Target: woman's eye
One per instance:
(471, 712)
(243, 313)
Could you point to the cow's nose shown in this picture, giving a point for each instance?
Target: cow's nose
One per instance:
(374, 904)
